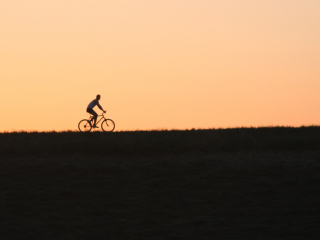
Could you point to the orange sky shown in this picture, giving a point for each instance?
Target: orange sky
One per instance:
(160, 64)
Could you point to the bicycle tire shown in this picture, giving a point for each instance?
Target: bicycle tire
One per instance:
(108, 125)
(84, 126)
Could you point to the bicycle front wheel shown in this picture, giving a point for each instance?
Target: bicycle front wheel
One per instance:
(84, 126)
(108, 125)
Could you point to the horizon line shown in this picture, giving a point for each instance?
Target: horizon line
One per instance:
(163, 130)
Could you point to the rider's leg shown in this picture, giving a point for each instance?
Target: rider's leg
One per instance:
(95, 115)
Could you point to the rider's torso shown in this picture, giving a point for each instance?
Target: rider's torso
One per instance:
(93, 103)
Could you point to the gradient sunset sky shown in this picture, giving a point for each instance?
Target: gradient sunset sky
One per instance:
(167, 64)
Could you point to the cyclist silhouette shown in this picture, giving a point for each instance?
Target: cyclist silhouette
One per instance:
(90, 110)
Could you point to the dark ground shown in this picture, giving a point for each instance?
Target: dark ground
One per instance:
(268, 194)
(155, 143)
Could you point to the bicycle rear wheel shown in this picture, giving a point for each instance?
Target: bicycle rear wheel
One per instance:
(84, 126)
(108, 125)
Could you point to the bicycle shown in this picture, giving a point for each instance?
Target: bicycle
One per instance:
(107, 125)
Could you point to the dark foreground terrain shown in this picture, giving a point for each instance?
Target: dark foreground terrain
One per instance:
(253, 190)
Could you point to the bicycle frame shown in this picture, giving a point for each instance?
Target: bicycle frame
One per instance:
(107, 125)
(102, 117)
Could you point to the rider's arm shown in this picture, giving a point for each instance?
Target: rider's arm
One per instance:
(100, 107)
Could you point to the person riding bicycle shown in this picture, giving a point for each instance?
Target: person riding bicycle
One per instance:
(90, 110)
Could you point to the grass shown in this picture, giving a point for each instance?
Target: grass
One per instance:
(246, 183)
(161, 142)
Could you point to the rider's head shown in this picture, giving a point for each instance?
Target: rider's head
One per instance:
(98, 97)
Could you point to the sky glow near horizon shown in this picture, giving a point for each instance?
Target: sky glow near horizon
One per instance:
(170, 64)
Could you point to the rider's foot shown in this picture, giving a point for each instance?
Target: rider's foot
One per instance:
(95, 126)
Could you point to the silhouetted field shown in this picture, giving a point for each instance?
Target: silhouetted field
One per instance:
(161, 142)
(204, 184)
